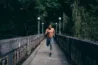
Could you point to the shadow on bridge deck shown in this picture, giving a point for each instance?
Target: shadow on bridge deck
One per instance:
(41, 56)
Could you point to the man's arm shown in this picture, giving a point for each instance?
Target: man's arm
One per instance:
(54, 32)
(46, 32)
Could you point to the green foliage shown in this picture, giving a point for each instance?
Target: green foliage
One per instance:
(90, 24)
(19, 17)
(86, 25)
(46, 8)
(84, 21)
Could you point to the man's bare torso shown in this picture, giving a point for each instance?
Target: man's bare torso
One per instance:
(50, 32)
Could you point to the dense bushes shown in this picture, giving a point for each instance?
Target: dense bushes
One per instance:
(85, 19)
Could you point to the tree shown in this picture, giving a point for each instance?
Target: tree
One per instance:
(47, 9)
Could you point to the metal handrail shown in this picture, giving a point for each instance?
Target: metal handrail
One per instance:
(79, 52)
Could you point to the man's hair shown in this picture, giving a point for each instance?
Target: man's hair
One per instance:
(49, 24)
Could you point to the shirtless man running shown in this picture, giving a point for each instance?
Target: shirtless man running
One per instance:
(49, 40)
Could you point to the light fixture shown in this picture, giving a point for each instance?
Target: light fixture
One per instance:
(38, 18)
(59, 18)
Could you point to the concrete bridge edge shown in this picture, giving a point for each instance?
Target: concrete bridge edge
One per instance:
(31, 57)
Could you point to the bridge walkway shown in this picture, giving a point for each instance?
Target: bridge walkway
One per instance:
(42, 56)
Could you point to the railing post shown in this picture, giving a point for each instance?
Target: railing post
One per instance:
(38, 25)
(28, 47)
(42, 28)
(10, 59)
(59, 25)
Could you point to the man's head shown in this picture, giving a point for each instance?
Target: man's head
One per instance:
(50, 26)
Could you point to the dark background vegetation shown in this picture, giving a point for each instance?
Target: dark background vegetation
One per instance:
(19, 17)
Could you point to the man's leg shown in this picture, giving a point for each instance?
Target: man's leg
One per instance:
(47, 41)
(51, 42)
(50, 46)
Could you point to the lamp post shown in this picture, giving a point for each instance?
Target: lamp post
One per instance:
(59, 25)
(42, 27)
(56, 27)
(38, 25)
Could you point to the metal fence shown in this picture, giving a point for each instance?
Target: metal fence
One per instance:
(79, 52)
(15, 51)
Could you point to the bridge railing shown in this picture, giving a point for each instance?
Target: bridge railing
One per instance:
(80, 52)
(15, 51)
